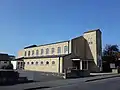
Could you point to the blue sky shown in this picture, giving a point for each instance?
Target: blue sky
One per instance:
(26, 22)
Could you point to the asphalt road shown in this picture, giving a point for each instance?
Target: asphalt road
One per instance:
(69, 84)
(105, 84)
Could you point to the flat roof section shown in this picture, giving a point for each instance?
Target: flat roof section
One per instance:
(92, 31)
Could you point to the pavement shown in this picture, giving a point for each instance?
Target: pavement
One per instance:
(58, 84)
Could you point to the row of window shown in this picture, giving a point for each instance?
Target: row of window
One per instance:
(47, 51)
(36, 63)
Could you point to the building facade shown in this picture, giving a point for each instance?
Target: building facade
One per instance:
(5, 59)
(83, 52)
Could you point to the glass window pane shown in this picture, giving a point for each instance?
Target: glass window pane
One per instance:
(59, 50)
(47, 63)
(25, 53)
(28, 53)
(65, 49)
(36, 63)
(32, 52)
(84, 64)
(53, 62)
(41, 62)
(52, 50)
(37, 52)
(47, 51)
(42, 51)
(32, 63)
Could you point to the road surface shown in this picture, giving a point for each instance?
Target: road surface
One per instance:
(69, 84)
(105, 84)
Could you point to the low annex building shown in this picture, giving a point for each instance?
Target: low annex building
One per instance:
(83, 52)
(5, 59)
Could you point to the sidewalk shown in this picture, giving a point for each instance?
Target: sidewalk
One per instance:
(56, 83)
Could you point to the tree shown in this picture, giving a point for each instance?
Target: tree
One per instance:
(110, 55)
(110, 50)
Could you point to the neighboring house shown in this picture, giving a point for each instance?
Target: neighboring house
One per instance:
(83, 52)
(5, 59)
(20, 63)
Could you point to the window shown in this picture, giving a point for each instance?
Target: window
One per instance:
(37, 52)
(32, 52)
(47, 51)
(52, 50)
(47, 63)
(65, 49)
(25, 53)
(32, 63)
(59, 50)
(90, 42)
(18, 63)
(36, 63)
(41, 62)
(53, 62)
(84, 65)
(28, 63)
(42, 51)
(28, 53)
(5, 61)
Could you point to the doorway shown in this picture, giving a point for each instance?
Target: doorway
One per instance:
(76, 64)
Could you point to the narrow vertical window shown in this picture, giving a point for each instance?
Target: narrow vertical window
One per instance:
(25, 53)
(42, 51)
(37, 52)
(59, 50)
(65, 49)
(33, 52)
(28, 53)
(52, 50)
(47, 51)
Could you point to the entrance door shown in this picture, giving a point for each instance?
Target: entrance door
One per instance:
(76, 64)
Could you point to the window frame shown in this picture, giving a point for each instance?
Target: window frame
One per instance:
(25, 53)
(52, 50)
(47, 62)
(32, 63)
(85, 65)
(47, 50)
(42, 51)
(33, 52)
(41, 63)
(37, 52)
(53, 63)
(29, 53)
(28, 63)
(36, 63)
(65, 49)
(59, 50)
